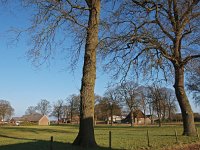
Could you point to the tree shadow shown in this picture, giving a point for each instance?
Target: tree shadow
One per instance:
(37, 145)
(172, 135)
(46, 145)
(38, 130)
(17, 138)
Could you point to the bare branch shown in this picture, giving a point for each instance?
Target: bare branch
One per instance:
(188, 58)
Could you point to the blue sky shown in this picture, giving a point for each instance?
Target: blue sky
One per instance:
(25, 85)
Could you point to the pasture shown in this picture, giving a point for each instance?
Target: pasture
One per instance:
(123, 137)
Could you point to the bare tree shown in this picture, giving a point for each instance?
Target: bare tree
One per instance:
(157, 101)
(57, 110)
(44, 107)
(6, 109)
(30, 110)
(65, 112)
(150, 105)
(163, 102)
(171, 100)
(112, 98)
(53, 21)
(74, 105)
(143, 103)
(156, 35)
(129, 93)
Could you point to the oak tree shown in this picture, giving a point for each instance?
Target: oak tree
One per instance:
(52, 22)
(149, 35)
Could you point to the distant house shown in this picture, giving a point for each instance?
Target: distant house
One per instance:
(37, 118)
(139, 118)
(17, 120)
(116, 119)
(33, 118)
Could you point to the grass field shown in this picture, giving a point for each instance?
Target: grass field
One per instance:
(123, 137)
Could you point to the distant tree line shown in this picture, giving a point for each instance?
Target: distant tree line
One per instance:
(121, 99)
(130, 97)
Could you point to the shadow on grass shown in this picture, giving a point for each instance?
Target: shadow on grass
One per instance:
(38, 130)
(45, 145)
(172, 135)
(17, 138)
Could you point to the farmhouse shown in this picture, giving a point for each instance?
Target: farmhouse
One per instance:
(139, 118)
(33, 118)
(37, 118)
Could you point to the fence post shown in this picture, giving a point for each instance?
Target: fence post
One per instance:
(148, 138)
(51, 143)
(197, 132)
(176, 136)
(110, 140)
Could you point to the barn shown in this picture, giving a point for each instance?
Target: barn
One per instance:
(37, 118)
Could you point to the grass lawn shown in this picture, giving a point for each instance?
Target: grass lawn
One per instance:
(123, 137)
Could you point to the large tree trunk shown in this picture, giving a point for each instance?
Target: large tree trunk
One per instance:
(85, 136)
(187, 113)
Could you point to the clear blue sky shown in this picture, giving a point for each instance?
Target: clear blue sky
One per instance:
(24, 85)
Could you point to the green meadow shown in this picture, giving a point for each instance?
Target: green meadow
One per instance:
(123, 137)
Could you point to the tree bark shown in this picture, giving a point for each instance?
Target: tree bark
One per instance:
(187, 113)
(86, 136)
